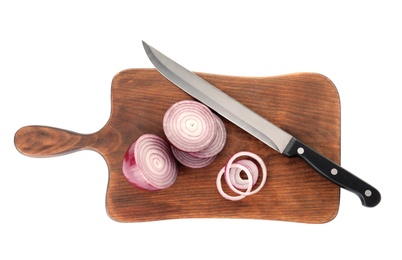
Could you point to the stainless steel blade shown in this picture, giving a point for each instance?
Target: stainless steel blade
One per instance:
(219, 101)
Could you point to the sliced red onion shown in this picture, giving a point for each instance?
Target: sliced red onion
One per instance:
(231, 171)
(149, 164)
(219, 183)
(189, 126)
(191, 161)
(218, 142)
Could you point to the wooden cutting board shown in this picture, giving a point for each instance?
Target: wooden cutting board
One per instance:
(305, 104)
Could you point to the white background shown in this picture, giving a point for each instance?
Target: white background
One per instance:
(57, 61)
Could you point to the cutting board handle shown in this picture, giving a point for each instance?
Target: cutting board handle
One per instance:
(45, 141)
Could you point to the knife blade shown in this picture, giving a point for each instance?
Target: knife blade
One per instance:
(259, 127)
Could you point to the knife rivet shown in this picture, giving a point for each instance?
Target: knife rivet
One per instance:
(368, 193)
(334, 171)
(300, 150)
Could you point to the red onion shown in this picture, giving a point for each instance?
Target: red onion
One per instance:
(189, 126)
(196, 134)
(235, 182)
(149, 164)
(217, 143)
(191, 161)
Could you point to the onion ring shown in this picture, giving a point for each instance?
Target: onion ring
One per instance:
(219, 183)
(263, 168)
(235, 178)
(231, 172)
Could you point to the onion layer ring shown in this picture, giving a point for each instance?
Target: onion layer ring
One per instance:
(263, 168)
(219, 183)
(235, 178)
(231, 172)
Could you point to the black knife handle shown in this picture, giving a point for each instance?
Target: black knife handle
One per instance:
(369, 195)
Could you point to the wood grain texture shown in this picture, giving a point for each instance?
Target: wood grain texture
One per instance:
(305, 104)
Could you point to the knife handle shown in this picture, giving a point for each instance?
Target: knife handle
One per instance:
(369, 195)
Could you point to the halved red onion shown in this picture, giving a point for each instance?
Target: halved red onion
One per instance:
(231, 171)
(149, 164)
(218, 142)
(189, 126)
(191, 161)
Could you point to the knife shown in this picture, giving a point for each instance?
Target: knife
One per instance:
(259, 127)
